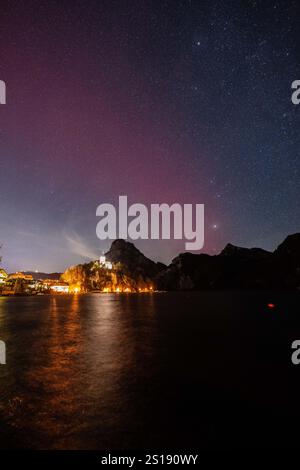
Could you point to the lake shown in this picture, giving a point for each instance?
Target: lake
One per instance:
(166, 371)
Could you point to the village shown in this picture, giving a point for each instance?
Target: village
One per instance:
(99, 276)
(20, 283)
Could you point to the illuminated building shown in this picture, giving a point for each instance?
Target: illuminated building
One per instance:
(104, 263)
(3, 276)
(60, 287)
(20, 275)
(55, 285)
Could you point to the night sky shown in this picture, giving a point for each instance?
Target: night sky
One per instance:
(166, 101)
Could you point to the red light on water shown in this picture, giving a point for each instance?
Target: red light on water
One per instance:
(271, 305)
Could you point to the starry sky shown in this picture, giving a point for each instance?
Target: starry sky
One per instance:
(165, 101)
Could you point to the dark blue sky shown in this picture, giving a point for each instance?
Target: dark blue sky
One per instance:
(165, 101)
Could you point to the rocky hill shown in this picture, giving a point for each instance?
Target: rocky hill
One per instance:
(132, 271)
(132, 260)
(236, 268)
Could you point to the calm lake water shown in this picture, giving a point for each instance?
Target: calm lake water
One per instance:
(162, 371)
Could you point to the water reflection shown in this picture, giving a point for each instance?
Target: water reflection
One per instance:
(79, 370)
(136, 371)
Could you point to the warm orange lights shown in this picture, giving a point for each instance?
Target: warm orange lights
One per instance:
(146, 289)
(75, 289)
(127, 290)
